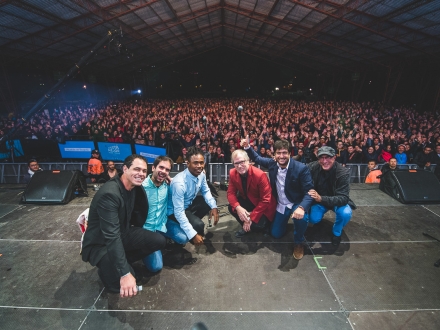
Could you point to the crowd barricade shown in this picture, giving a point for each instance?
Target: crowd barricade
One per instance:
(358, 172)
(216, 172)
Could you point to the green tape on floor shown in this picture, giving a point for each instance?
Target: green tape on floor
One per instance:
(317, 263)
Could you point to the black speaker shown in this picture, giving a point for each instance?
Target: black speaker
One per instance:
(411, 186)
(54, 187)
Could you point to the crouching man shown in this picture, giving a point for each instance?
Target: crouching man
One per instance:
(158, 194)
(110, 242)
(250, 196)
(332, 188)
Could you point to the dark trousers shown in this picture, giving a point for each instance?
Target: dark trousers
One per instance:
(195, 212)
(138, 243)
(261, 226)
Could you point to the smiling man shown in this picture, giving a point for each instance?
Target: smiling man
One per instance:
(185, 206)
(250, 197)
(290, 181)
(113, 238)
(158, 193)
(332, 190)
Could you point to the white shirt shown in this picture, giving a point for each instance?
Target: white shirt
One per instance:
(283, 202)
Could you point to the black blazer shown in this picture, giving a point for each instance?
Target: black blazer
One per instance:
(298, 179)
(109, 222)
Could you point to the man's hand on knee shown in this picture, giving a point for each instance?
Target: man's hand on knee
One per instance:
(128, 286)
(298, 213)
(242, 213)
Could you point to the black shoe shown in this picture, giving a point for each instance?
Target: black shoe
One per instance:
(336, 240)
(240, 233)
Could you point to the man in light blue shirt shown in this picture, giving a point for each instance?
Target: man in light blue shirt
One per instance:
(158, 194)
(185, 206)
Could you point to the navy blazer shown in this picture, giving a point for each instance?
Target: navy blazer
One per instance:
(298, 179)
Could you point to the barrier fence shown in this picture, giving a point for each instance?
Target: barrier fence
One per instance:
(14, 172)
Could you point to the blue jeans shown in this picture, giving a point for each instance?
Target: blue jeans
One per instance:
(343, 216)
(279, 225)
(154, 261)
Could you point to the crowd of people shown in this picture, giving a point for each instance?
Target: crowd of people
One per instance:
(305, 146)
(359, 132)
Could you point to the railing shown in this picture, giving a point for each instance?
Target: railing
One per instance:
(14, 172)
(216, 172)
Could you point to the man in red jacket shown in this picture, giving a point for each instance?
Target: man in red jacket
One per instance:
(250, 195)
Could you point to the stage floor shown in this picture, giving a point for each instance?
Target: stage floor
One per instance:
(382, 276)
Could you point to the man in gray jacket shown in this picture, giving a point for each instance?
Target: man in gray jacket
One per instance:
(332, 188)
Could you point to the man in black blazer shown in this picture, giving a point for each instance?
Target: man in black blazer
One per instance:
(290, 181)
(114, 237)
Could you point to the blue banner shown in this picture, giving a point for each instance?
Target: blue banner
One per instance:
(114, 151)
(18, 150)
(150, 153)
(76, 149)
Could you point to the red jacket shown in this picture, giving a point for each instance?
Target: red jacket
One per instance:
(259, 193)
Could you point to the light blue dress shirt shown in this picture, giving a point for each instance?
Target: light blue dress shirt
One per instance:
(184, 188)
(158, 198)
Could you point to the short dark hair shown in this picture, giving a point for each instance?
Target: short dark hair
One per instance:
(130, 159)
(281, 144)
(373, 160)
(163, 159)
(32, 160)
(192, 151)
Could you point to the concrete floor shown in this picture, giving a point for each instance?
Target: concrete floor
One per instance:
(381, 277)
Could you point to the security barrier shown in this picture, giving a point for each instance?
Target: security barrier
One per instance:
(216, 172)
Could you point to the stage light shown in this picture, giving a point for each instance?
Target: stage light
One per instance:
(139, 91)
(85, 87)
(277, 88)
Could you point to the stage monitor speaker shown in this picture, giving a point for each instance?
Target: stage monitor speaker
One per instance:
(411, 186)
(54, 187)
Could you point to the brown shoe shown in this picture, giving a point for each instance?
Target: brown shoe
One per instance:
(298, 251)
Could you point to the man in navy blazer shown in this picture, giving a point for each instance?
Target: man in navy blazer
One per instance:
(290, 181)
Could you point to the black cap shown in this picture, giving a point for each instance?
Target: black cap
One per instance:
(95, 151)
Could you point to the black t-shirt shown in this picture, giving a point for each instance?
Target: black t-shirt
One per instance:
(323, 186)
(244, 184)
(129, 197)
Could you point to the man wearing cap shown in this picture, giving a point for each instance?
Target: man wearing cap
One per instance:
(332, 189)
(290, 181)
(94, 167)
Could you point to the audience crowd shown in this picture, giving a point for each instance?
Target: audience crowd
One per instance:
(359, 132)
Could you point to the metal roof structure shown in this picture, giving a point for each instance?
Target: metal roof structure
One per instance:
(320, 35)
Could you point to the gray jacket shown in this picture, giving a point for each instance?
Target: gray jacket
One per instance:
(340, 189)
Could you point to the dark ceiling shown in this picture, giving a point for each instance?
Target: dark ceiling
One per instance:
(323, 36)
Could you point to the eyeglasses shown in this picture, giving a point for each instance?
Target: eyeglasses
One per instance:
(242, 162)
